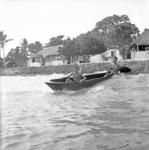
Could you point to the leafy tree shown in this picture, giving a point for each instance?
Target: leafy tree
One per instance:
(35, 47)
(17, 57)
(55, 41)
(116, 31)
(122, 34)
(3, 41)
(108, 23)
(85, 44)
(13, 54)
(69, 48)
(90, 45)
(19, 54)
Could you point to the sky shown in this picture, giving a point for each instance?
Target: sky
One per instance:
(39, 20)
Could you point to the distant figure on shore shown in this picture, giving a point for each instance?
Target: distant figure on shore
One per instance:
(75, 76)
(115, 66)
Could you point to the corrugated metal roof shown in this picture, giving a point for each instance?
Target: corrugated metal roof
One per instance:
(48, 51)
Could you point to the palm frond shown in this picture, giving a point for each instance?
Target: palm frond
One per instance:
(4, 37)
(8, 40)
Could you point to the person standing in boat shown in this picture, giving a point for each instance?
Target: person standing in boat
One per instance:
(76, 75)
(115, 67)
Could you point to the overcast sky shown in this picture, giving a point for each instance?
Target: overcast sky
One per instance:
(39, 20)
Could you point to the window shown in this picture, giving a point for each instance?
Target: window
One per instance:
(33, 60)
(113, 53)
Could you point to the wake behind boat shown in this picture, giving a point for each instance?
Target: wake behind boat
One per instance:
(91, 79)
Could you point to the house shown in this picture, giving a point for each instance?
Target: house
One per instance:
(34, 60)
(97, 58)
(46, 56)
(106, 56)
(140, 46)
(77, 59)
(113, 53)
(51, 56)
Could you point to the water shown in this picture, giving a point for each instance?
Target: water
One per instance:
(113, 115)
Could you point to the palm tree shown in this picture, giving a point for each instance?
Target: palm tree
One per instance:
(24, 46)
(3, 41)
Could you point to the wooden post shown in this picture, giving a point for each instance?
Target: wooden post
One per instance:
(0, 48)
(137, 43)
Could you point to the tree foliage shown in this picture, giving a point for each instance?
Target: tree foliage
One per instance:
(112, 31)
(17, 57)
(55, 41)
(90, 45)
(70, 48)
(117, 31)
(3, 41)
(35, 47)
(85, 44)
(110, 22)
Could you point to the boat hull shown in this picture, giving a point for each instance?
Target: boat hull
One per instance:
(60, 85)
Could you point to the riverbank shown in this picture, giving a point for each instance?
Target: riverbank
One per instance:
(136, 66)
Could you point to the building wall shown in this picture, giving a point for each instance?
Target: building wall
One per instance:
(118, 55)
(136, 66)
(112, 53)
(50, 60)
(53, 60)
(54, 63)
(83, 59)
(140, 55)
(76, 59)
(106, 56)
(97, 58)
(34, 62)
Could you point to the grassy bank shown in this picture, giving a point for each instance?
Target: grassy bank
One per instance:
(136, 66)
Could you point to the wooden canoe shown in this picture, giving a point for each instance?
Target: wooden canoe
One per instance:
(91, 79)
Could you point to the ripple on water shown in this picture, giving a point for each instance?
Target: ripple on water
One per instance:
(113, 115)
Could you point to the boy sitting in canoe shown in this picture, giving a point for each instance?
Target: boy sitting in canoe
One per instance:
(76, 75)
(115, 67)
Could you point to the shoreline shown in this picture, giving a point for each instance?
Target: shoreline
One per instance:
(141, 66)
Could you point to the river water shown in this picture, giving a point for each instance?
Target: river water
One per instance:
(114, 115)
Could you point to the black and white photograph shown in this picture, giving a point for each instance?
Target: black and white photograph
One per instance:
(74, 75)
